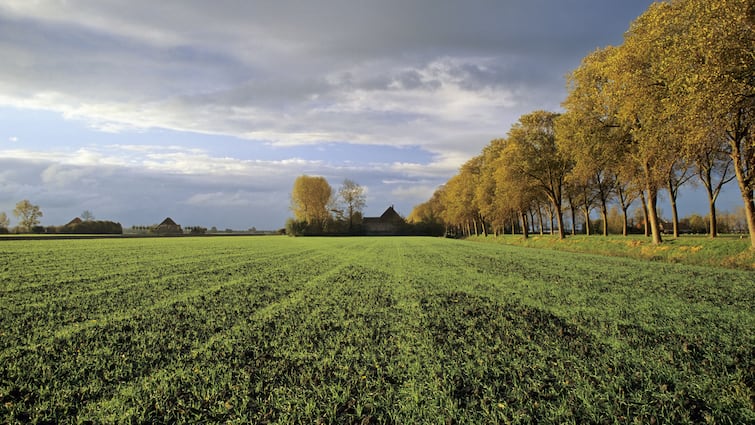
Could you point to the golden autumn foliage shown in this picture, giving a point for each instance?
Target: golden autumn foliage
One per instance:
(677, 97)
(310, 198)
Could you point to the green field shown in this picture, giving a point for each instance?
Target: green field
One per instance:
(367, 330)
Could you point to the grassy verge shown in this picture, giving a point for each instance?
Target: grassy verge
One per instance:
(726, 251)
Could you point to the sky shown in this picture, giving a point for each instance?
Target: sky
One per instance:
(206, 111)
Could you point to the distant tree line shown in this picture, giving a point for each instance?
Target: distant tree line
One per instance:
(675, 101)
(155, 229)
(100, 227)
(28, 216)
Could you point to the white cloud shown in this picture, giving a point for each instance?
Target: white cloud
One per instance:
(59, 175)
(414, 192)
(222, 199)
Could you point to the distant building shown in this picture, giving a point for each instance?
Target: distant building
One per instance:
(168, 227)
(389, 223)
(74, 222)
(88, 227)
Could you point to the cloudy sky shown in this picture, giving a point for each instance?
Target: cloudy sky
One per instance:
(206, 111)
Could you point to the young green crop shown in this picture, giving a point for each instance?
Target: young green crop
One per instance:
(366, 330)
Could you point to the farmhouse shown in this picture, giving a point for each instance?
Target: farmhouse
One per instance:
(389, 223)
(168, 227)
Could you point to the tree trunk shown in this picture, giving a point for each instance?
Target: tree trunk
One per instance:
(586, 213)
(523, 216)
(540, 219)
(573, 215)
(551, 221)
(750, 215)
(705, 176)
(674, 214)
(625, 224)
(747, 197)
(351, 218)
(743, 155)
(604, 214)
(646, 221)
(713, 220)
(625, 202)
(573, 219)
(655, 229)
(560, 219)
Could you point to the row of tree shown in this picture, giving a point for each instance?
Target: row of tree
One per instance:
(675, 100)
(319, 209)
(191, 230)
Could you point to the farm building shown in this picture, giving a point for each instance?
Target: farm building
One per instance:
(389, 223)
(168, 227)
(74, 222)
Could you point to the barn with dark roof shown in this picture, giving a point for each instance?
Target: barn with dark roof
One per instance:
(389, 223)
(168, 227)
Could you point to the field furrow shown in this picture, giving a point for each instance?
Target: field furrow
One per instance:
(366, 330)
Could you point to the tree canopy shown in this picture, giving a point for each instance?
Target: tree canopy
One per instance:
(310, 199)
(354, 200)
(28, 214)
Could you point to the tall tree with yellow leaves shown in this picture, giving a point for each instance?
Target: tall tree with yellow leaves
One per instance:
(311, 197)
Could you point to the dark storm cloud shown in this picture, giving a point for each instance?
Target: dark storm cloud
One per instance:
(95, 59)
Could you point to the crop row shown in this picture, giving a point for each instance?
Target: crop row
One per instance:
(383, 330)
